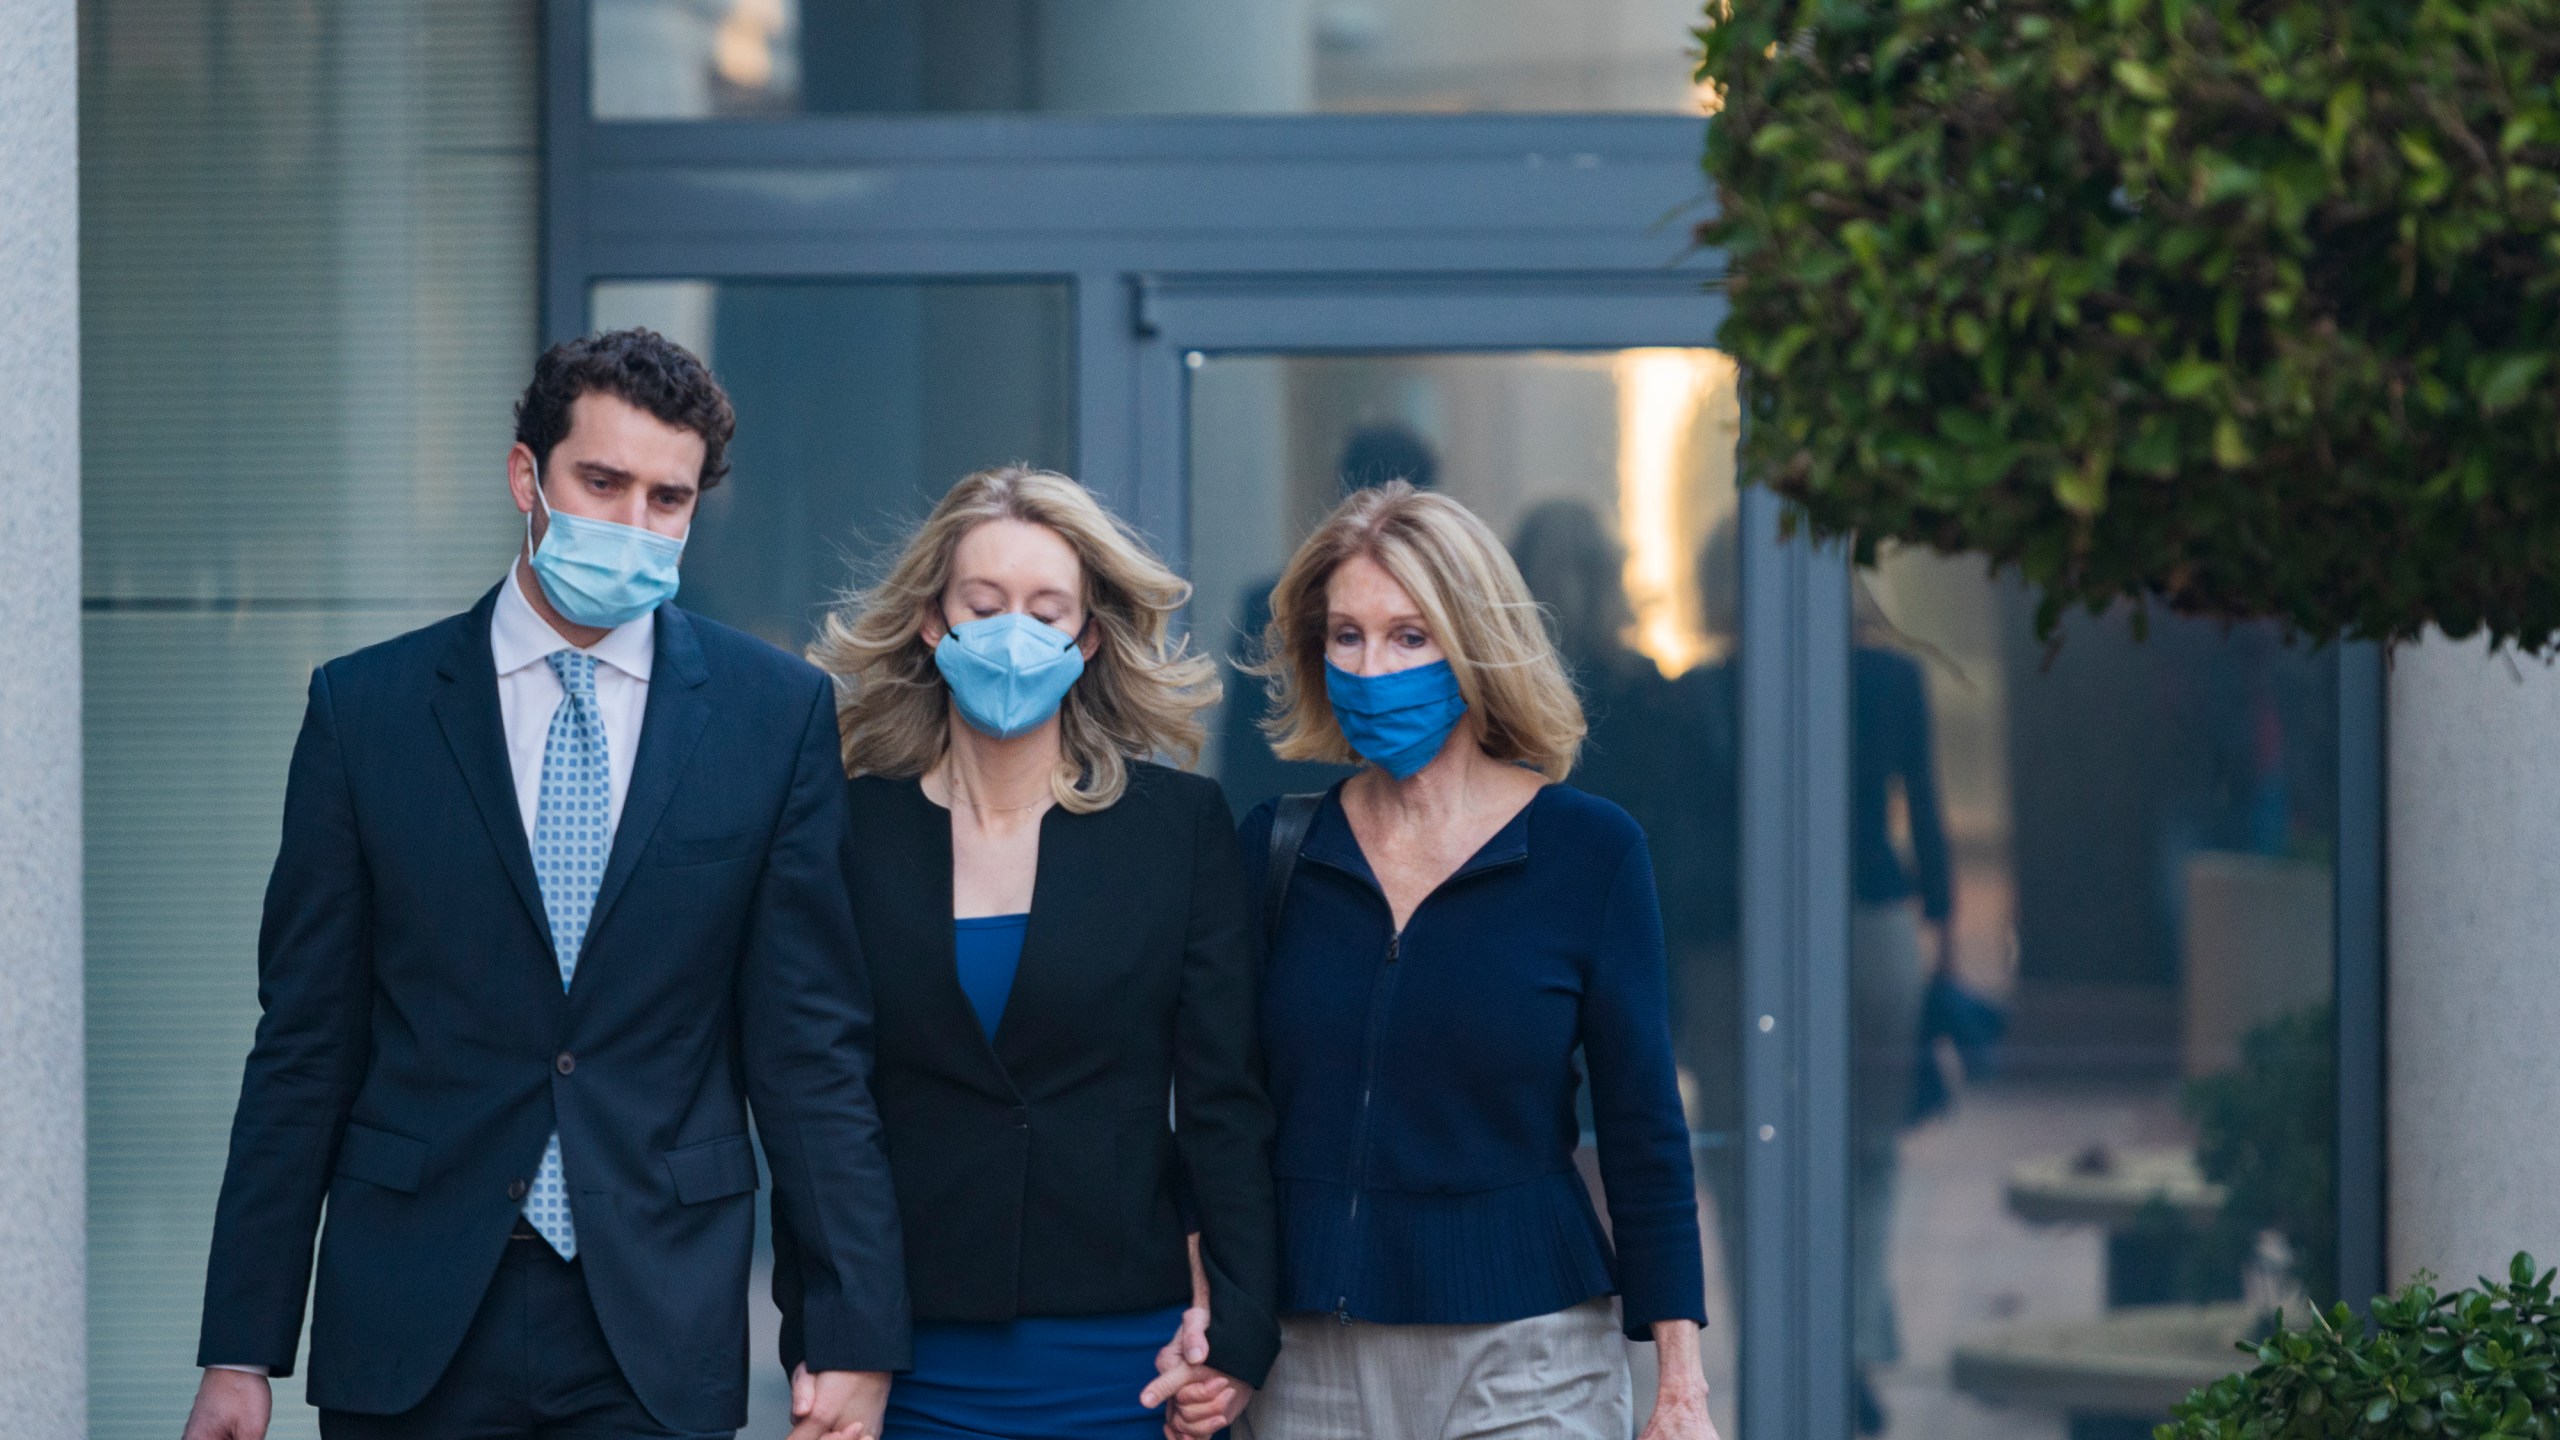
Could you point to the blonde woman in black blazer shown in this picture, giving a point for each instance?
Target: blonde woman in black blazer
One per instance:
(1063, 964)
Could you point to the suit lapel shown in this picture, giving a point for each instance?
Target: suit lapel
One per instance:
(679, 707)
(1038, 982)
(947, 1011)
(466, 709)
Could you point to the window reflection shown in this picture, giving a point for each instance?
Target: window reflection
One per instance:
(697, 59)
(1611, 478)
(859, 403)
(2091, 968)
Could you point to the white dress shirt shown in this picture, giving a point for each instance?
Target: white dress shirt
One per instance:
(529, 694)
(520, 640)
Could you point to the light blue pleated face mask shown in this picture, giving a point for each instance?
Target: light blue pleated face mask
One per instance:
(1008, 673)
(599, 573)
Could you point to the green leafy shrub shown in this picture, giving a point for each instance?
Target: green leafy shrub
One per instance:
(2473, 1364)
(2246, 306)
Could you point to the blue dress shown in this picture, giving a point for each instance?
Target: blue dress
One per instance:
(1065, 1377)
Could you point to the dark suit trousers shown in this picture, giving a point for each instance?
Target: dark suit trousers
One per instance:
(533, 1366)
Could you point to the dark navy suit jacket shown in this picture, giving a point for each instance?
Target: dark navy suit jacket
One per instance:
(417, 1050)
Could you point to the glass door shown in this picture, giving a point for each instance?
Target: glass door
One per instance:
(1609, 472)
(2130, 846)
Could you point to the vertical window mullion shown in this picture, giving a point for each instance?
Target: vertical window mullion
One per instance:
(1795, 886)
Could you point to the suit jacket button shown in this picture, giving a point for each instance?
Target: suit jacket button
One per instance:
(1021, 1118)
(517, 1190)
(566, 1063)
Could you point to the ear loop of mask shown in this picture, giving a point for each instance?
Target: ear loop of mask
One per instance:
(541, 502)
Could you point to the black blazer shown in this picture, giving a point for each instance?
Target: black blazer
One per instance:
(1036, 1175)
(417, 1050)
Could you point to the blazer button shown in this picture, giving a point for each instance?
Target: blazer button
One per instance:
(517, 1190)
(566, 1063)
(1021, 1118)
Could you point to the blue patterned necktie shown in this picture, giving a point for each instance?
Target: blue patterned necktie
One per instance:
(572, 832)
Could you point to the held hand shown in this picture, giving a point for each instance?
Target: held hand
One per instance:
(1204, 1407)
(1188, 1347)
(837, 1404)
(1199, 1400)
(1190, 1342)
(230, 1405)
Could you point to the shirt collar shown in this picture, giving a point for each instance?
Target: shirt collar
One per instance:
(518, 636)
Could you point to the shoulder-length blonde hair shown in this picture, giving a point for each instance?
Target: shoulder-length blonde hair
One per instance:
(1472, 597)
(1141, 692)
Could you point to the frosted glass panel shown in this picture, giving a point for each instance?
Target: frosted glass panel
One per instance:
(307, 262)
(190, 721)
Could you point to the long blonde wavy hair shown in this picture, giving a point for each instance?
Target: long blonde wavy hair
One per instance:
(1141, 693)
(1471, 596)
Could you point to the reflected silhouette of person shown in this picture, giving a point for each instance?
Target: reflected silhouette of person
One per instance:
(1578, 572)
(1892, 749)
(1697, 846)
(1371, 456)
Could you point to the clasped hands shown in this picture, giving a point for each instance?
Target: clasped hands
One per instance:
(837, 1404)
(1199, 1400)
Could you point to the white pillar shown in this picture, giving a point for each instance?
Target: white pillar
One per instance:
(2474, 1037)
(43, 1151)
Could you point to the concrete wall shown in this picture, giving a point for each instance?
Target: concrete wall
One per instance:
(43, 1160)
(2474, 1021)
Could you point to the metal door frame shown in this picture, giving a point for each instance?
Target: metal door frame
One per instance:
(1793, 1284)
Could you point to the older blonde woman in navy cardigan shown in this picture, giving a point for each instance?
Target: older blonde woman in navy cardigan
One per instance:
(1457, 925)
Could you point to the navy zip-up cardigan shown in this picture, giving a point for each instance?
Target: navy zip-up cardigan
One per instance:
(1425, 1081)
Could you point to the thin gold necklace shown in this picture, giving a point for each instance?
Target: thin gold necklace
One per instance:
(952, 792)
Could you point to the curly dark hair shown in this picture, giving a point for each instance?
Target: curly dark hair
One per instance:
(640, 366)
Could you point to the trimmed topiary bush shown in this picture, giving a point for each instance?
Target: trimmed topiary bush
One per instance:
(2477, 1363)
(2246, 307)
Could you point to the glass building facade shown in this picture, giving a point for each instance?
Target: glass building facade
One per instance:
(1220, 259)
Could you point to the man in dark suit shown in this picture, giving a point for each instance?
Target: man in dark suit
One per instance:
(560, 895)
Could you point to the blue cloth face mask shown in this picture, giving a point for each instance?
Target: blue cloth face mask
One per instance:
(1399, 720)
(1008, 673)
(599, 573)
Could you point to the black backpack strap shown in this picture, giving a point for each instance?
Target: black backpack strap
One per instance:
(1291, 819)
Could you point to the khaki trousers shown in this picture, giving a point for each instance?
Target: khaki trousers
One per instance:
(1558, 1377)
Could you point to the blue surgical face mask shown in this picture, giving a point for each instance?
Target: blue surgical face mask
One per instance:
(1399, 720)
(1008, 673)
(597, 572)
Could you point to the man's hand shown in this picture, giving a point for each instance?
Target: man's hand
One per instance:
(837, 1404)
(230, 1405)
